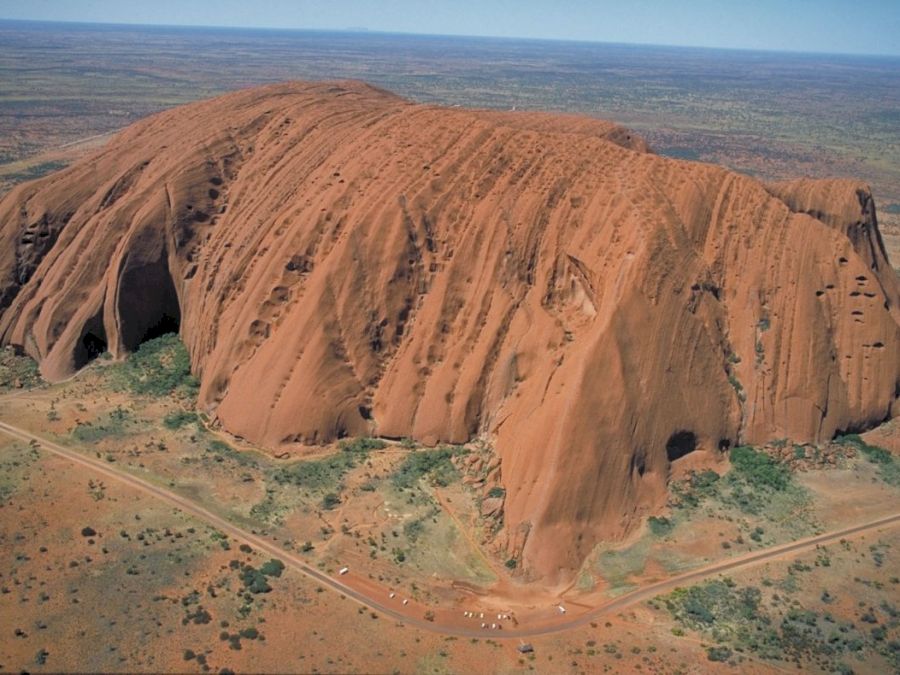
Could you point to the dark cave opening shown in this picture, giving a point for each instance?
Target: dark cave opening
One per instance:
(680, 444)
(94, 345)
(148, 303)
(92, 342)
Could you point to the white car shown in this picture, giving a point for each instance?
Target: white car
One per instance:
(343, 571)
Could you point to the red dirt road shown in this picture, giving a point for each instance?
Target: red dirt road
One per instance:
(446, 623)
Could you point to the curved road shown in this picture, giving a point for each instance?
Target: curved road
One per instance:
(564, 623)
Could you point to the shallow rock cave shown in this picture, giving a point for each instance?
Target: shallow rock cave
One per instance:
(148, 303)
(680, 444)
(92, 343)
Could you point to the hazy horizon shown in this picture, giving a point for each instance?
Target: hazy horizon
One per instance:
(833, 27)
(361, 30)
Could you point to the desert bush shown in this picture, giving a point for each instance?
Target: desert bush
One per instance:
(362, 445)
(319, 474)
(179, 418)
(115, 423)
(254, 580)
(888, 465)
(435, 464)
(224, 451)
(413, 529)
(660, 526)
(159, 367)
(330, 501)
(692, 491)
(758, 469)
(17, 370)
(718, 653)
(272, 568)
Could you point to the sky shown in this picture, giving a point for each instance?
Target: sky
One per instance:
(832, 26)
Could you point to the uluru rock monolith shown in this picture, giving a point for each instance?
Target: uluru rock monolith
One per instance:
(340, 261)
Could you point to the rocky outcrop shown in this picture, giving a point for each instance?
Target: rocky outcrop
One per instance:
(340, 261)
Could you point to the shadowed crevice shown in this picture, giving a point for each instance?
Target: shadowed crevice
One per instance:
(148, 303)
(92, 342)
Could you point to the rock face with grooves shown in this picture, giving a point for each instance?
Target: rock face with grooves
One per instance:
(342, 262)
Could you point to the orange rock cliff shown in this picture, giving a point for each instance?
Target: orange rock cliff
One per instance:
(340, 261)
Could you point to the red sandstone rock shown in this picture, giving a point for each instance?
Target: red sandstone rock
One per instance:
(345, 262)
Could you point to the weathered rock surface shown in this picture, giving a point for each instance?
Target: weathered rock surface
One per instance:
(340, 261)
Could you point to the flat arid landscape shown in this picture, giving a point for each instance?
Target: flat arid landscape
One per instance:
(771, 115)
(332, 352)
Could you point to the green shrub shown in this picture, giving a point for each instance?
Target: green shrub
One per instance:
(435, 464)
(362, 445)
(159, 367)
(224, 451)
(873, 453)
(718, 653)
(273, 568)
(319, 474)
(413, 529)
(254, 580)
(199, 616)
(697, 487)
(330, 501)
(496, 492)
(114, 424)
(511, 563)
(661, 526)
(758, 469)
(179, 418)
(18, 371)
(888, 466)
(707, 604)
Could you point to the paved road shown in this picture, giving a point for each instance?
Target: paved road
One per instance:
(564, 623)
